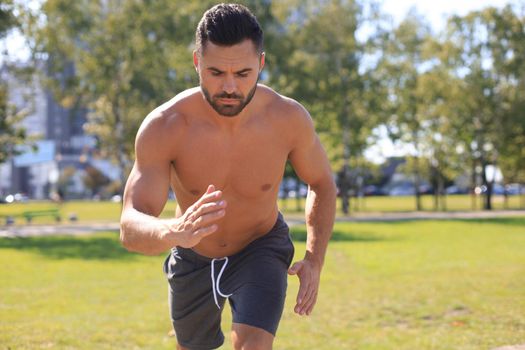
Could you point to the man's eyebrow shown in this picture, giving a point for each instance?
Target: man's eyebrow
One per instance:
(242, 71)
(215, 69)
(245, 70)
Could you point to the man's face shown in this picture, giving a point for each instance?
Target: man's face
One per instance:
(228, 75)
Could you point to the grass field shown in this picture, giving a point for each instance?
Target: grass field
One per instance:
(404, 285)
(108, 211)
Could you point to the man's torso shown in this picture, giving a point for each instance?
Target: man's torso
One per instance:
(246, 164)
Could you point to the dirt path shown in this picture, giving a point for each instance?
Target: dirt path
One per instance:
(291, 219)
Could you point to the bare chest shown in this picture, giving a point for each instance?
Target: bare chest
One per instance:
(246, 165)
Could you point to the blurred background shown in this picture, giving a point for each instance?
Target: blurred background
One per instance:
(420, 106)
(423, 101)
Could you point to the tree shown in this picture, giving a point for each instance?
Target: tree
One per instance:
(506, 42)
(440, 95)
(320, 66)
(401, 64)
(12, 134)
(94, 179)
(128, 57)
(7, 18)
(490, 71)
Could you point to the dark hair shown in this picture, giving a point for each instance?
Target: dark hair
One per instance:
(228, 25)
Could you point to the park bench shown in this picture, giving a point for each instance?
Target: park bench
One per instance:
(30, 214)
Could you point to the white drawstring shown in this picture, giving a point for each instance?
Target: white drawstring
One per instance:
(215, 286)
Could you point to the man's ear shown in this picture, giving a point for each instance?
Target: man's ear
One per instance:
(261, 63)
(196, 60)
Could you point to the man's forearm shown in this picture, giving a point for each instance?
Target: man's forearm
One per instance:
(320, 215)
(144, 234)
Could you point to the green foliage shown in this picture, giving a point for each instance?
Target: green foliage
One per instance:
(489, 47)
(12, 135)
(7, 18)
(94, 179)
(123, 61)
(458, 97)
(321, 70)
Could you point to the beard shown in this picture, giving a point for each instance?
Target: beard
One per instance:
(228, 110)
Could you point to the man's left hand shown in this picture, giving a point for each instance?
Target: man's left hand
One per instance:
(309, 273)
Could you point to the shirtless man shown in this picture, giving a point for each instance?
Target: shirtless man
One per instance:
(222, 147)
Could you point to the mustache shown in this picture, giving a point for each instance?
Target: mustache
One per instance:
(228, 96)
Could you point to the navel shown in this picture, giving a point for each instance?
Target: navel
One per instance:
(195, 192)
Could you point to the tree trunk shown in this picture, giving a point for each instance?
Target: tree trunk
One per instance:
(298, 198)
(434, 182)
(505, 198)
(119, 136)
(441, 190)
(417, 182)
(436, 199)
(343, 180)
(473, 199)
(522, 197)
(358, 188)
(487, 203)
(345, 201)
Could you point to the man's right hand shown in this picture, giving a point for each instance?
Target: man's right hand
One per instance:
(199, 220)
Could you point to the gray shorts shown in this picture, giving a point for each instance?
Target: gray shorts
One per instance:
(254, 281)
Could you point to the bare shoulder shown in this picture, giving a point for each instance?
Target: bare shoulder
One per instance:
(162, 127)
(170, 117)
(287, 111)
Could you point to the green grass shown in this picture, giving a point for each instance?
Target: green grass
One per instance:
(408, 203)
(399, 285)
(109, 211)
(83, 210)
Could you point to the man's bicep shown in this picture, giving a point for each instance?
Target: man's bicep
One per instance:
(148, 183)
(307, 156)
(309, 160)
(147, 188)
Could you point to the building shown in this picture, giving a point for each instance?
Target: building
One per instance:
(61, 144)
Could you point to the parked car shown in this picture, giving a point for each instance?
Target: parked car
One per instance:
(17, 197)
(426, 189)
(456, 190)
(402, 191)
(373, 190)
(288, 188)
(497, 189)
(515, 189)
(303, 191)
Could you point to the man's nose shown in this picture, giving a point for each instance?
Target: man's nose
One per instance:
(229, 85)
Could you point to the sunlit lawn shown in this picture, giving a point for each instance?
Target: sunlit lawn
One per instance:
(405, 285)
(87, 211)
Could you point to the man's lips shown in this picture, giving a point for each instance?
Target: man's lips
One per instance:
(228, 100)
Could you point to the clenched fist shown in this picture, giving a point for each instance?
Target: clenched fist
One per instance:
(199, 220)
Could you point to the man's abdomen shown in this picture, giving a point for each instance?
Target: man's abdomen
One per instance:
(243, 223)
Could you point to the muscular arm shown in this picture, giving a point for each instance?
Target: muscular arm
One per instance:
(146, 193)
(311, 164)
